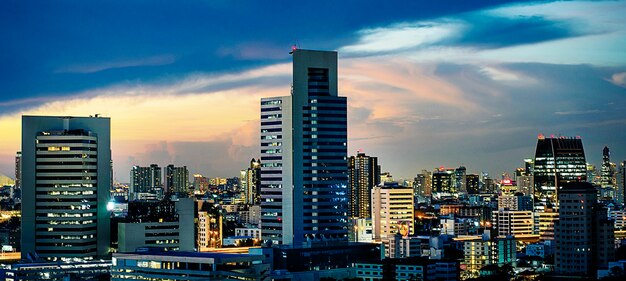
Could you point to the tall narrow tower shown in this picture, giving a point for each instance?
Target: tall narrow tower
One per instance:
(606, 173)
(364, 174)
(304, 194)
(66, 178)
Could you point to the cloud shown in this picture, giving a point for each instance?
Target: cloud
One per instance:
(618, 79)
(255, 51)
(578, 112)
(101, 66)
(421, 94)
(403, 36)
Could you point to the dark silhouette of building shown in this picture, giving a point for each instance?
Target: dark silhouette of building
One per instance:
(606, 171)
(472, 183)
(363, 175)
(583, 234)
(557, 161)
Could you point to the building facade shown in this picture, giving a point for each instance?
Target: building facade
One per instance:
(583, 234)
(176, 180)
(66, 182)
(168, 225)
(304, 193)
(364, 174)
(558, 160)
(145, 182)
(392, 211)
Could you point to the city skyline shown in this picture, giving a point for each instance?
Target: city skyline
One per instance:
(428, 85)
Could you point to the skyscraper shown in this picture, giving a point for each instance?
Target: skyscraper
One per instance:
(176, 179)
(606, 172)
(557, 161)
(251, 182)
(364, 174)
(460, 179)
(583, 233)
(145, 182)
(304, 177)
(66, 177)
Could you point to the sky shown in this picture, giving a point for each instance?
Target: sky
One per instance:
(429, 83)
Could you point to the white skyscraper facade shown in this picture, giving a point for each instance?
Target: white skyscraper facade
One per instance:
(304, 156)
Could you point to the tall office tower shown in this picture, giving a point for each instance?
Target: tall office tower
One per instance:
(66, 172)
(472, 183)
(392, 211)
(176, 180)
(557, 161)
(460, 179)
(363, 175)
(422, 184)
(145, 183)
(606, 172)
(583, 234)
(620, 183)
(251, 182)
(444, 182)
(304, 194)
(18, 169)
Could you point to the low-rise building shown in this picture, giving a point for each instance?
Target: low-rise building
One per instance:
(415, 268)
(159, 265)
(481, 251)
(56, 271)
(167, 224)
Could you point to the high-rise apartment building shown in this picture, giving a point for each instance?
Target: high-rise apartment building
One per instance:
(472, 183)
(250, 182)
(145, 182)
(557, 161)
(304, 194)
(66, 178)
(363, 175)
(422, 184)
(444, 183)
(176, 180)
(392, 211)
(583, 234)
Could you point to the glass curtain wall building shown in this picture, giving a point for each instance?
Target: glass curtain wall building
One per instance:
(558, 160)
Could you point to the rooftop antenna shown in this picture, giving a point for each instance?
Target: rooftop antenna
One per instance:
(294, 47)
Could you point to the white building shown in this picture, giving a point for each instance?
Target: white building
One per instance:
(392, 211)
(513, 223)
